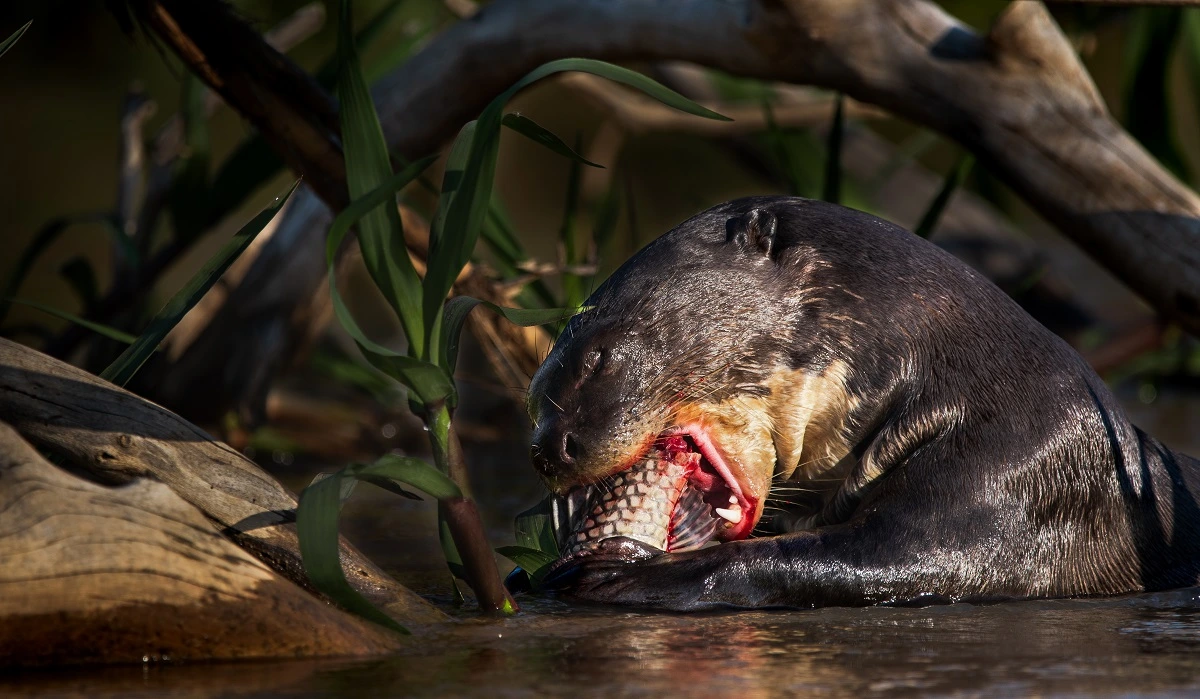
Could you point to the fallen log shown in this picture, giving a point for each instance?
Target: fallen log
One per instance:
(90, 573)
(120, 437)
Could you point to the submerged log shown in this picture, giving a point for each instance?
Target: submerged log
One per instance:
(120, 437)
(90, 573)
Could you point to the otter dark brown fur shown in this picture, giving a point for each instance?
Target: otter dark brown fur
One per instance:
(961, 451)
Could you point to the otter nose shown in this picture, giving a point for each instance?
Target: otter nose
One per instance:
(554, 450)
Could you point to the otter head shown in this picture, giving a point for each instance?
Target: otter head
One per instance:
(708, 334)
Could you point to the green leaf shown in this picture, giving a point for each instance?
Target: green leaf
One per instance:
(534, 528)
(365, 203)
(380, 232)
(126, 365)
(317, 525)
(428, 382)
(46, 235)
(833, 153)
(1153, 33)
(326, 76)
(530, 129)
(79, 274)
(535, 563)
(12, 39)
(459, 307)
(348, 486)
(934, 213)
(456, 228)
(111, 333)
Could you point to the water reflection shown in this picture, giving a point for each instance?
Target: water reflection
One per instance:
(1139, 645)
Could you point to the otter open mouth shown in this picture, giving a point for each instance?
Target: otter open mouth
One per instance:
(678, 496)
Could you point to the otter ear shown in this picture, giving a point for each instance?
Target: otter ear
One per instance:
(753, 230)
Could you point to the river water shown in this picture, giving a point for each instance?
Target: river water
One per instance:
(1140, 645)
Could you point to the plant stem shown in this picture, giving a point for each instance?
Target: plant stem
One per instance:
(462, 517)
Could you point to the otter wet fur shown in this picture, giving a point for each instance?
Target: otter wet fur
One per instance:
(952, 448)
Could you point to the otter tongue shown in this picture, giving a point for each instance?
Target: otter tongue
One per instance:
(651, 502)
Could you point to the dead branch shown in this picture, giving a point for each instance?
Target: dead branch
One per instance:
(1018, 98)
(96, 574)
(120, 437)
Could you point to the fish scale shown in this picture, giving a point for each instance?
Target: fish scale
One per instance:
(652, 502)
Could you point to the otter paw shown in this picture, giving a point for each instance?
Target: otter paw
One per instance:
(627, 572)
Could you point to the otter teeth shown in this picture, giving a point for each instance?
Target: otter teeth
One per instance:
(732, 514)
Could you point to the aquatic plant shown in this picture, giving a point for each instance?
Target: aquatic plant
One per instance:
(430, 323)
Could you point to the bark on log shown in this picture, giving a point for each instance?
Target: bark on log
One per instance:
(120, 437)
(90, 574)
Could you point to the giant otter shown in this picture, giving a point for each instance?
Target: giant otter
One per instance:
(951, 448)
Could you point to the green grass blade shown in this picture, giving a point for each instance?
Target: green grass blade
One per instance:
(428, 382)
(12, 39)
(535, 563)
(413, 373)
(317, 528)
(380, 232)
(534, 528)
(458, 308)
(126, 365)
(1153, 33)
(106, 331)
(411, 471)
(934, 213)
(317, 524)
(454, 233)
(833, 153)
(533, 131)
(366, 203)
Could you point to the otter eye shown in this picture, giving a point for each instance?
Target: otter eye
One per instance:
(593, 363)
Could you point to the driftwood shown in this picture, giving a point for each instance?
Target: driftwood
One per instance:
(90, 573)
(120, 437)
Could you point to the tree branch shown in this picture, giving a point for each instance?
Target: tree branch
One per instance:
(1018, 98)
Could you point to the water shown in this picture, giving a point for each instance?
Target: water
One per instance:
(1145, 645)
(1141, 645)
